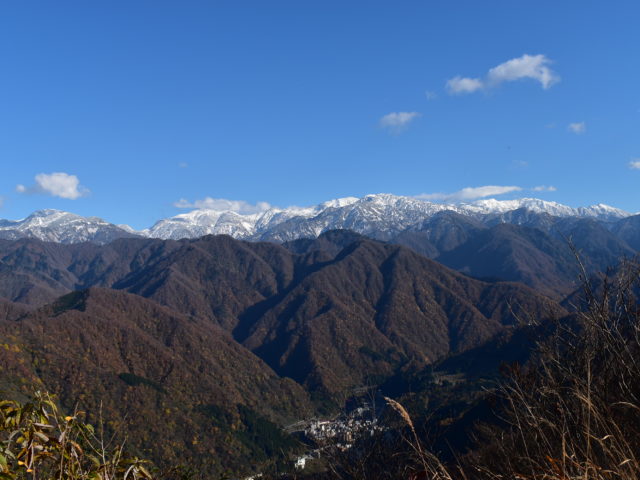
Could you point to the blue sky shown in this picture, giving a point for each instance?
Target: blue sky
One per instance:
(139, 104)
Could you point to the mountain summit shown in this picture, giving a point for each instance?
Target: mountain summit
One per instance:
(63, 227)
(380, 216)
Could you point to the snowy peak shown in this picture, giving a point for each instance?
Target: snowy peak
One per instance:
(62, 227)
(380, 216)
(603, 211)
(600, 211)
(339, 202)
(204, 222)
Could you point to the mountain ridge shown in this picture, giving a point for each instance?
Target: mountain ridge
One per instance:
(380, 216)
(221, 325)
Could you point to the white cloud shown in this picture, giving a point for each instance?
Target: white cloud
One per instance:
(535, 67)
(461, 85)
(398, 121)
(222, 204)
(431, 95)
(578, 128)
(635, 164)
(56, 184)
(470, 193)
(544, 188)
(59, 184)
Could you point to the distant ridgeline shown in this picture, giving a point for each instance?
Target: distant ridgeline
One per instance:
(380, 216)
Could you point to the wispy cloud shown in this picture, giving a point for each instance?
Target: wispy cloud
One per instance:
(533, 67)
(544, 188)
(431, 95)
(471, 193)
(634, 164)
(519, 164)
(56, 184)
(183, 164)
(222, 204)
(396, 122)
(578, 128)
(461, 85)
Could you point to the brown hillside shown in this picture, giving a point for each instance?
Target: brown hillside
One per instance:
(175, 380)
(375, 308)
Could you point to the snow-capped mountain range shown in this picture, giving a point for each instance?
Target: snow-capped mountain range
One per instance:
(63, 227)
(380, 216)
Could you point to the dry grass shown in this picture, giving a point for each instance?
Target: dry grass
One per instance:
(38, 443)
(575, 414)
